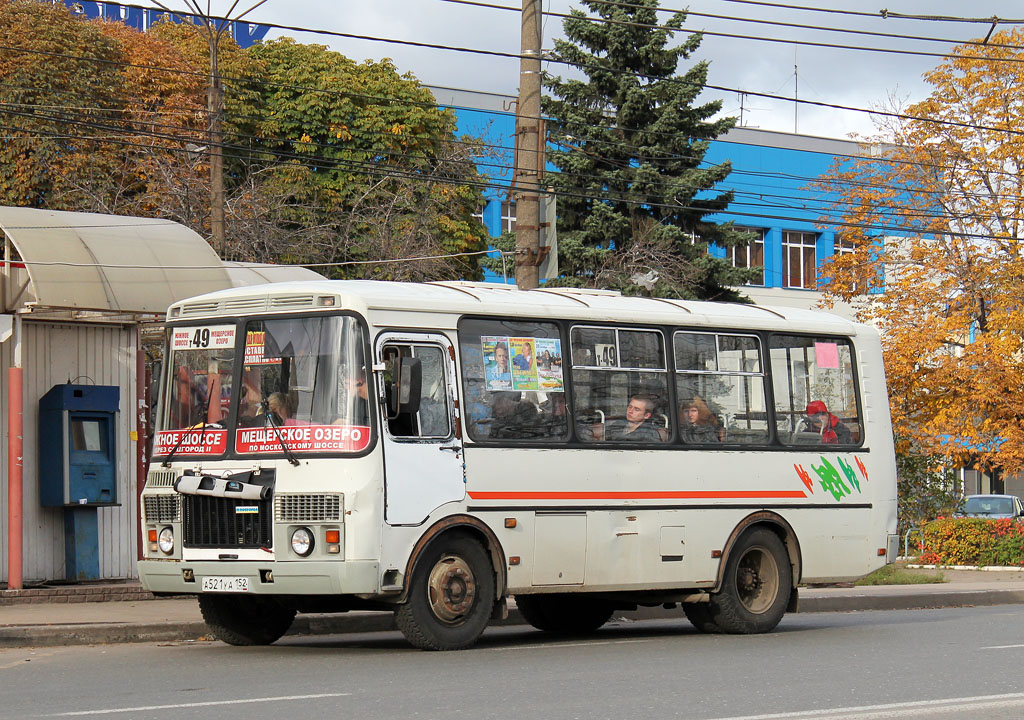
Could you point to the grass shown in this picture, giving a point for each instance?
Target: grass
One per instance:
(896, 575)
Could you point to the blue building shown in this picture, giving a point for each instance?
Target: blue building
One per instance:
(771, 178)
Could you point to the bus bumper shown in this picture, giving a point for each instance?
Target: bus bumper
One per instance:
(359, 577)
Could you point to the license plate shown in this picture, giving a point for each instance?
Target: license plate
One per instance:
(225, 584)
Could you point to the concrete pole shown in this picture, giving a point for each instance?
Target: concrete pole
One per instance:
(527, 175)
(215, 106)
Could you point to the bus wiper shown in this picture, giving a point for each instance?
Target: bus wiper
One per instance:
(184, 433)
(272, 419)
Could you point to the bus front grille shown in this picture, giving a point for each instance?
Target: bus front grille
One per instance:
(214, 522)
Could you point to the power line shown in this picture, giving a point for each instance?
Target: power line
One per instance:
(320, 160)
(732, 18)
(769, 96)
(628, 201)
(884, 14)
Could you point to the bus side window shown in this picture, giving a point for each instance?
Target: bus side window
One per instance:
(433, 418)
(612, 368)
(813, 378)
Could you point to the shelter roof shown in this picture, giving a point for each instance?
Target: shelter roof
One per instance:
(110, 263)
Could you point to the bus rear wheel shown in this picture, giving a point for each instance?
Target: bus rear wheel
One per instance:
(756, 588)
(451, 596)
(245, 620)
(569, 614)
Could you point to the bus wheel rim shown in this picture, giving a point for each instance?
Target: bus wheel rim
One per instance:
(757, 580)
(451, 589)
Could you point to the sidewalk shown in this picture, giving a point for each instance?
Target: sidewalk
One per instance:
(124, 612)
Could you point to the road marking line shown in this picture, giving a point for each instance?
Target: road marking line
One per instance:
(200, 704)
(1001, 647)
(918, 708)
(575, 644)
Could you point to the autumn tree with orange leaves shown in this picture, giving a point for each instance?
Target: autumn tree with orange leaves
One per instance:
(937, 262)
(328, 161)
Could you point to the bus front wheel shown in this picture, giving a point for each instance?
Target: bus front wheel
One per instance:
(246, 620)
(451, 596)
(755, 589)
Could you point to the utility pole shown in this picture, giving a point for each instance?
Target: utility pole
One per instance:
(215, 109)
(529, 141)
(213, 29)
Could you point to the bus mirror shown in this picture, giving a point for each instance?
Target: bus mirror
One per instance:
(405, 394)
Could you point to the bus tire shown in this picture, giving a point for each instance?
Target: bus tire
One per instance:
(757, 584)
(699, 615)
(568, 614)
(246, 620)
(451, 596)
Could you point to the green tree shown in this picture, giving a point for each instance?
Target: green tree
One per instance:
(629, 144)
(364, 158)
(926, 486)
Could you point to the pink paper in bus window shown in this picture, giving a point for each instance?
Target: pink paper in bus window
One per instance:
(826, 355)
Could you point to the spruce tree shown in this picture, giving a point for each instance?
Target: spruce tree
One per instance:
(629, 144)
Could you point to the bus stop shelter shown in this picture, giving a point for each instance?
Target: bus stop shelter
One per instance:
(76, 289)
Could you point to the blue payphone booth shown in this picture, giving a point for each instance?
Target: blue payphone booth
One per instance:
(78, 466)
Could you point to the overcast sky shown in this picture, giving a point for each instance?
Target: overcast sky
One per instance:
(856, 78)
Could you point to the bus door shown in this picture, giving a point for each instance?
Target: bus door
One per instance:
(423, 463)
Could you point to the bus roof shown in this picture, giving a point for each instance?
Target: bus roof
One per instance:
(466, 298)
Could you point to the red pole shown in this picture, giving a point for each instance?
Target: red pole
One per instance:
(141, 430)
(15, 417)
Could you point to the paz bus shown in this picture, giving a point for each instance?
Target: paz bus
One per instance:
(435, 449)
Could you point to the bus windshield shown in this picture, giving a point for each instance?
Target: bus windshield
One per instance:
(301, 388)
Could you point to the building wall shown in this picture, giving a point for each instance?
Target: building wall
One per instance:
(772, 177)
(81, 353)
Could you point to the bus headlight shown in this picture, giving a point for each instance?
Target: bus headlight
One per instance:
(302, 541)
(165, 541)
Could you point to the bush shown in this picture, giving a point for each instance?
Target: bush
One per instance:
(973, 541)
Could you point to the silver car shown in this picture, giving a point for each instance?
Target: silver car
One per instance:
(991, 506)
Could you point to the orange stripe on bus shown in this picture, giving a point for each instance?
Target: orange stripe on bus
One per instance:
(633, 495)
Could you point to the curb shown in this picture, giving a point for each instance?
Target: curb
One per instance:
(368, 622)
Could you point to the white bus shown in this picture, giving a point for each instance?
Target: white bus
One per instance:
(432, 449)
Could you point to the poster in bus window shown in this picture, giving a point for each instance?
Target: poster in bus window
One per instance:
(549, 364)
(497, 367)
(524, 363)
(255, 349)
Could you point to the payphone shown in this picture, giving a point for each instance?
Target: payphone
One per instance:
(78, 466)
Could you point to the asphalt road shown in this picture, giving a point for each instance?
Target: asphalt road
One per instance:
(955, 663)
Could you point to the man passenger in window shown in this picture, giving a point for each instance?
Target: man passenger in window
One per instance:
(827, 425)
(637, 425)
(696, 423)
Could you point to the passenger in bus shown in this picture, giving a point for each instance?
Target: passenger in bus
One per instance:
(827, 425)
(512, 417)
(636, 426)
(358, 398)
(280, 407)
(697, 424)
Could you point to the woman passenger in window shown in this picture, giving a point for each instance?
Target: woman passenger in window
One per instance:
(696, 423)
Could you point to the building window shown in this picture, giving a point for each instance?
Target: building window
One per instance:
(751, 256)
(798, 260)
(844, 246)
(508, 217)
